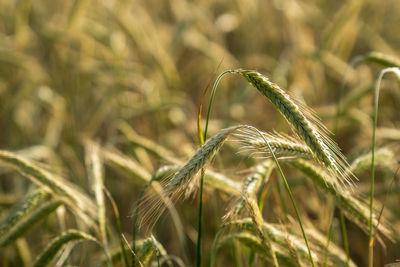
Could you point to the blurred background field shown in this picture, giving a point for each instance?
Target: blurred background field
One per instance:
(78, 76)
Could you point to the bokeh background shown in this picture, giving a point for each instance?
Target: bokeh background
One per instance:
(72, 71)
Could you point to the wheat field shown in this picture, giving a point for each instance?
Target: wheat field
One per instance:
(199, 133)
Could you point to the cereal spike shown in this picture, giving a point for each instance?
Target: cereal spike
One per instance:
(306, 123)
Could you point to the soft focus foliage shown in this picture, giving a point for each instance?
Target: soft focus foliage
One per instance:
(100, 98)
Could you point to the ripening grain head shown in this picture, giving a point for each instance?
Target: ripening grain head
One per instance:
(306, 124)
(282, 146)
(199, 159)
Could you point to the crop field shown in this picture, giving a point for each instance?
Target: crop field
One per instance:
(199, 133)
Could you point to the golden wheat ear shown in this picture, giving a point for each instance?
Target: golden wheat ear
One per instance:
(306, 124)
(199, 159)
(283, 146)
(178, 184)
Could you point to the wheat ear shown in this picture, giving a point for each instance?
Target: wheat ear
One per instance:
(382, 59)
(283, 146)
(251, 187)
(306, 123)
(199, 159)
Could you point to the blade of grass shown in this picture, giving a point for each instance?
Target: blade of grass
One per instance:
(23, 227)
(118, 223)
(54, 247)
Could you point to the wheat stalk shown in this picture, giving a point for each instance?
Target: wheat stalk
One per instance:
(306, 124)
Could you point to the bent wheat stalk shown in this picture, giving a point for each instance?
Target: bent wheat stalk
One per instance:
(396, 71)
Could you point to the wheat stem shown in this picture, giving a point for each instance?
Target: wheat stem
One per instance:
(372, 180)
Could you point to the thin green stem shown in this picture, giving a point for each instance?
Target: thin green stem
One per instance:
(212, 99)
(344, 235)
(372, 180)
(124, 256)
(200, 220)
(335, 132)
(202, 140)
(329, 233)
(282, 197)
(290, 194)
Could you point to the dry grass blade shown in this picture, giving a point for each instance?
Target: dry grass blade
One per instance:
(147, 144)
(31, 202)
(54, 247)
(213, 179)
(251, 187)
(388, 134)
(22, 227)
(258, 222)
(383, 207)
(286, 242)
(94, 166)
(306, 124)
(63, 189)
(126, 164)
(383, 59)
(337, 257)
(253, 242)
(354, 209)
(384, 157)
